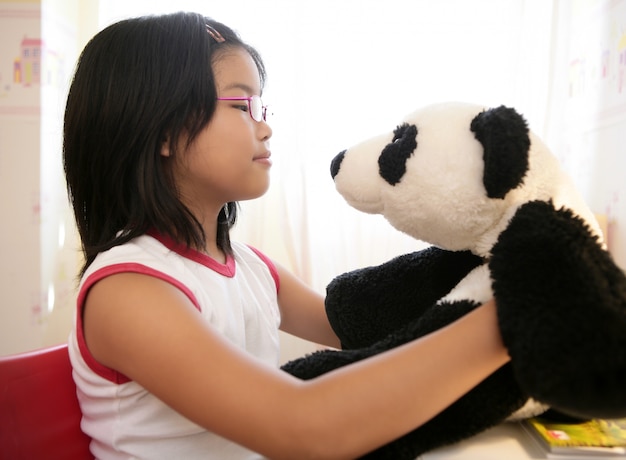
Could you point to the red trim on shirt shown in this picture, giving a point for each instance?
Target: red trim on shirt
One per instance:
(270, 266)
(129, 267)
(226, 269)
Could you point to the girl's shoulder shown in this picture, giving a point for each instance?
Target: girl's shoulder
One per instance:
(143, 250)
(153, 253)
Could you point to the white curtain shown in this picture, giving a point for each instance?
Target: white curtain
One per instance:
(341, 71)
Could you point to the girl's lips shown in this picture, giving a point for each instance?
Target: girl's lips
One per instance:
(264, 158)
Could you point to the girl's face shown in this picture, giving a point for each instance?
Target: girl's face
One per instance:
(230, 159)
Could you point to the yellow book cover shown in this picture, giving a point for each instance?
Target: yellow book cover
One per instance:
(602, 437)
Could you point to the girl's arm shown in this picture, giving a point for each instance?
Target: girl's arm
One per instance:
(302, 311)
(149, 330)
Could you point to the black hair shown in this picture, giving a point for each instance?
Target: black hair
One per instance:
(138, 83)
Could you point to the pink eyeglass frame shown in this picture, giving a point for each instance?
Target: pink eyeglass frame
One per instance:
(249, 99)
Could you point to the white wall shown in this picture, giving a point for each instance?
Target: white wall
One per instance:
(587, 126)
(38, 242)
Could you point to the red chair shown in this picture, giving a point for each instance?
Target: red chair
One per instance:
(39, 411)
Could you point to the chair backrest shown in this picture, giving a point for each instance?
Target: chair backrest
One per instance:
(39, 412)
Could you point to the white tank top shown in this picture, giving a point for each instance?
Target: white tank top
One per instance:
(238, 298)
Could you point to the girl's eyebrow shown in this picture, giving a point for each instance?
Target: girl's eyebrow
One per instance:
(242, 86)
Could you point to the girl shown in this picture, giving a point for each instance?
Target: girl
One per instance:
(175, 346)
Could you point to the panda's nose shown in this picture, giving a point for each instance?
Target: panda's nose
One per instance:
(336, 163)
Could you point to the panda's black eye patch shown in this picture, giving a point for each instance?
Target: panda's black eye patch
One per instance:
(392, 160)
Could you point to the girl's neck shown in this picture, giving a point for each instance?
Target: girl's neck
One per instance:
(214, 252)
(211, 248)
(208, 220)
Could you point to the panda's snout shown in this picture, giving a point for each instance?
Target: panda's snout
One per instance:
(336, 163)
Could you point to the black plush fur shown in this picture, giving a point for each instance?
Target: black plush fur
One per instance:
(483, 407)
(562, 312)
(561, 309)
(366, 305)
(393, 158)
(561, 303)
(504, 135)
(383, 297)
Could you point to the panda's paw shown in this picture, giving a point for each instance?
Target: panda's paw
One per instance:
(322, 361)
(562, 312)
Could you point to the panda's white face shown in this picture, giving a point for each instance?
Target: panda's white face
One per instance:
(426, 178)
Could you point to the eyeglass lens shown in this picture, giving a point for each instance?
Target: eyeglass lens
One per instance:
(257, 111)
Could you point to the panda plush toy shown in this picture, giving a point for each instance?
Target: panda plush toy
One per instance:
(503, 221)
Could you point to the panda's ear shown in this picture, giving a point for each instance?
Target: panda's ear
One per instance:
(504, 136)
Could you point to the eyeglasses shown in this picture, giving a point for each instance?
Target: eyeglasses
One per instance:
(257, 110)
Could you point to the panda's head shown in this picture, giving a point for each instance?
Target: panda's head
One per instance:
(449, 174)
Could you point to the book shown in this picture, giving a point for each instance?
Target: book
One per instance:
(590, 439)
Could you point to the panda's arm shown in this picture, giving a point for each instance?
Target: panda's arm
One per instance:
(364, 305)
(562, 311)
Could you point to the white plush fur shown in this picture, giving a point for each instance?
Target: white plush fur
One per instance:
(441, 198)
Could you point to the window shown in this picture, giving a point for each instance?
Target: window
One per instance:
(361, 65)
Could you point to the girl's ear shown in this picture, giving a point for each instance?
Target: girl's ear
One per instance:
(165, 147)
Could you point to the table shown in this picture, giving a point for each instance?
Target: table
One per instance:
(507, 441)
